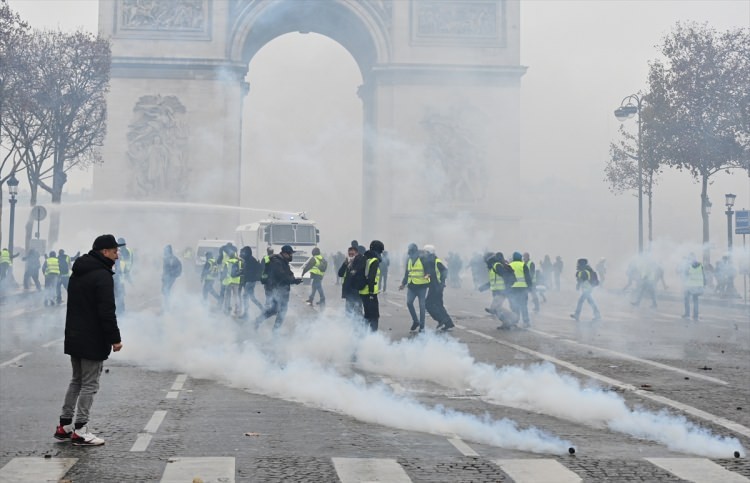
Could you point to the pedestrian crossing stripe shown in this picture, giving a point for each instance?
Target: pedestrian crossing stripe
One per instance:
(208, 469)
(537, 471)
(698, 470)
(37, 469)
(357, 470)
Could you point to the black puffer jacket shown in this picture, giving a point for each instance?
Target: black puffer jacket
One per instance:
(91, 323)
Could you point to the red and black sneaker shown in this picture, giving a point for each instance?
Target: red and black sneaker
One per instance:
(63, 432)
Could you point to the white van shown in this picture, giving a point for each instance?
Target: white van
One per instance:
(204, 246)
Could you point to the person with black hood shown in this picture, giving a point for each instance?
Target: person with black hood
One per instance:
(251, 270)
(91, 333)
(437, 273)
(369, 293)
(416, 283)
(171, 270)
(278, 286)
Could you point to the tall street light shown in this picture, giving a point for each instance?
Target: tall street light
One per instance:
(729, 197)
(13, 191)
(629, 107)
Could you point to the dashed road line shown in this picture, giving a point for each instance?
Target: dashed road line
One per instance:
(462, 447)
(53, 342)
(15, 359)
(144, 439)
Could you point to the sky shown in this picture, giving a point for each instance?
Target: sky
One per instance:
(583, 58)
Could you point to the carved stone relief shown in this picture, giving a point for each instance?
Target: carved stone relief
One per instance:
(478, 20)
(158, 148)
(456, 150)
(180, 18)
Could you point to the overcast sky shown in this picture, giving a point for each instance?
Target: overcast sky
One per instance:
(583, 58)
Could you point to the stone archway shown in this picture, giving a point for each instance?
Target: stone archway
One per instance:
(440, 98)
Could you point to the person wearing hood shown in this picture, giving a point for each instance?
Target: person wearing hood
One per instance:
(171, 270)
(519, 290)
(91, 334)
(584, 277)
(416, 282)
(278, 287)
(251, 270)
(369, 293)
(694, 282)
(438, 274)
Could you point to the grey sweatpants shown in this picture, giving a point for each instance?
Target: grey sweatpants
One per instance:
(83, 385)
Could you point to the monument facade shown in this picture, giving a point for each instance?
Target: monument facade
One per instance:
(441, 86)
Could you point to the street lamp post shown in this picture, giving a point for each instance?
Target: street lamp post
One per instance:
(729, 197)
(630, 106)
(13, 191)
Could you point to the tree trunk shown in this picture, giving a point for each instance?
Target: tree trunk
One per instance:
(704, 216)
(58, 181)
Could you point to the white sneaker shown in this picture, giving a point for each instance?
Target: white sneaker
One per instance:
(82, 437)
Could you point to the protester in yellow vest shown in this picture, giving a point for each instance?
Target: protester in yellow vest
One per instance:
(519, 291)
(369, 293)
(317, 266)
(51, 270)
(416, 283)
(694, 281)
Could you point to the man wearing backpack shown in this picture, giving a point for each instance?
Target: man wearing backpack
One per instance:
(586, 280)
(317, 266)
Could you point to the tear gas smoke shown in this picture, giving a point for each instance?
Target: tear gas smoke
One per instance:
(326, 363)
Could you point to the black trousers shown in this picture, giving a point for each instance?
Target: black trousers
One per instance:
(435, 306)
(372, 310)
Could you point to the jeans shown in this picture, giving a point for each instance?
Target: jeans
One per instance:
(353, 305)
(232, 302)
(519, 303)
(277, 303)
(414, 292)
(50, 286)
(248, 294)
(688, 296)
(317, 286)
(586, 296)
(83, 386)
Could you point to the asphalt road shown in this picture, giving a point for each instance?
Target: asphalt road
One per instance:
(194, 396)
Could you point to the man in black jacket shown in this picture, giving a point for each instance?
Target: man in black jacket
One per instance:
(369, 294)
(280, 279)
(91, 333)
(251, 270)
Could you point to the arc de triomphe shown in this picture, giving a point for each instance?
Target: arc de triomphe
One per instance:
(440, 100)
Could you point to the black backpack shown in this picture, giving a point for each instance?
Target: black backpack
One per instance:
(235, 270)
(593, 278)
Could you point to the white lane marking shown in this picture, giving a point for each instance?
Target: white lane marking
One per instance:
(172, 394)
(181, 378)
(698, 470)
(731, 425)
(462, 447)
(15, 359)
(153, 425)
(537, 471)
(622, 355)
(360, 470)
(177, 386)
(141, 442)
(209, 468)
(396, 387)
(394, 303)
(53, 342)
(33, 470)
